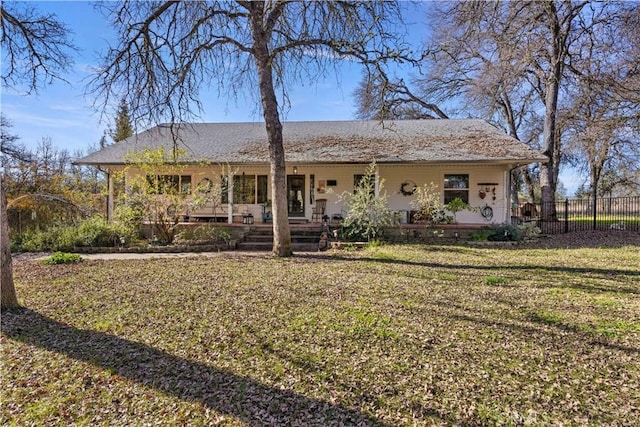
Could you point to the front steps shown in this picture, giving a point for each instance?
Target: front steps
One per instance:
(260, 239)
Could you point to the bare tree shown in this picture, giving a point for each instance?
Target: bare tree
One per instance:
(377, 97)
(35, 46)
(518, 65)
(7, 289)
(35, 50)
(169, 51)
(9, 148)
(607, 150)
(467, 69)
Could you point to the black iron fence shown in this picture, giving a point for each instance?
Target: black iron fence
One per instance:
(569, 215)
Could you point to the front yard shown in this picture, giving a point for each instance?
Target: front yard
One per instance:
(391, 335)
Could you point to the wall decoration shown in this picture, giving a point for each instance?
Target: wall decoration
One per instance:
(205, 185)
(408, 187)
(487, 212)
(486, 188)
(322, 186)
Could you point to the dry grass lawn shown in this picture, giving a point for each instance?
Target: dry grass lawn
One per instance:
(390, 335)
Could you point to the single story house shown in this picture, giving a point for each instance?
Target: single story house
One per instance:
(465, 158)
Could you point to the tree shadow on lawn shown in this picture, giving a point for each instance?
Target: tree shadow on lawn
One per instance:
(604, 273)
(536, 328)
(223, 391)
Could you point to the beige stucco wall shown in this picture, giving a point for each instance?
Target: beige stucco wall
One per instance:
(391, 177)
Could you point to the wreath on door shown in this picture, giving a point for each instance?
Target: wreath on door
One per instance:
(408, 187)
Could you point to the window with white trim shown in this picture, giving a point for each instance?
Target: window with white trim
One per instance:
(456, 186)
(169, 184)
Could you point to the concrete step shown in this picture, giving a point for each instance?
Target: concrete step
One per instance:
(261, 239)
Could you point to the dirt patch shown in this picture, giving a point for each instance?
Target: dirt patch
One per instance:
(589, 239)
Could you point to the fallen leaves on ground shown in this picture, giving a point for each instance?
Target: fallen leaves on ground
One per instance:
(393, 335)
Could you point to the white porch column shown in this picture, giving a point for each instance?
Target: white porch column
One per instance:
(376, 184)
(110, 196)
(230, 198)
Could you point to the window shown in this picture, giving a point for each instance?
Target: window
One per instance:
(247, 189)
(456, 186)
(244, 189)
(369, 183)
(262, 188)
(224, 189)
(169, 184)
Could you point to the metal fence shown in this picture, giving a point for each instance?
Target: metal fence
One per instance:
(569, 215)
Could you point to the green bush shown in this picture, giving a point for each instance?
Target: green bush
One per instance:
(499, 233)
(367, 214)
(482, 234)
(95, 231)
(56, 238)
(63, 258)
(203, 235)
(505, 233)
(529, 230)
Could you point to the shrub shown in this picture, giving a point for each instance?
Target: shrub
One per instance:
(203, 235)
(56, 238)
(16, 243)
(95, 231)
(529, 230)
(456, 205)
(427, 203)
(505, 233)
(367, 214)
(482, 234)
(499, 233)
(63, 258)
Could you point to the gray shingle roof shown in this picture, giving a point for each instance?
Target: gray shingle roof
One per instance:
(417, 141)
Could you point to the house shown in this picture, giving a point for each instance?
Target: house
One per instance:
(467, 158)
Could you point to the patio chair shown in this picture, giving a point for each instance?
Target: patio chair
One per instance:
(318, 210)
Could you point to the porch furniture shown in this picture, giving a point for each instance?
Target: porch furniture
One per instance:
(318, 210)
(266, 213)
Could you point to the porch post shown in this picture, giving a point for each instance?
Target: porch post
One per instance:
(507, 197)
(376, 185)
(110, 196)
(230, 198)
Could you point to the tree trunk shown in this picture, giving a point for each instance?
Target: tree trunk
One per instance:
(281, 231)
(559, 30)
(7, 290)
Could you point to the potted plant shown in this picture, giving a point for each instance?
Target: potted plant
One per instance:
(456, 205)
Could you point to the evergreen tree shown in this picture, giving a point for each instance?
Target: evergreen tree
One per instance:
(124, 128)
(103, 141)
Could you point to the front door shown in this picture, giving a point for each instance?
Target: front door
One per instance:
(295, 195)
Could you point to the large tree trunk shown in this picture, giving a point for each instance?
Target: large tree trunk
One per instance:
(7, 290)
(529, 185)
(548, 170)
(281, 231)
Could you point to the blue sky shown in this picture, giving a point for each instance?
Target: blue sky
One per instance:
(61, 111)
